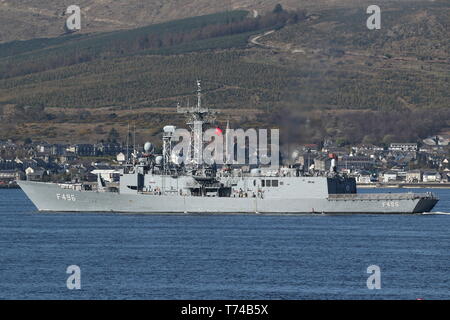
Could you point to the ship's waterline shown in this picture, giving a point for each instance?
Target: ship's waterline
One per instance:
(52, 197)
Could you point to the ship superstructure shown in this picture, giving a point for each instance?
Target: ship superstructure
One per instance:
(161, 184)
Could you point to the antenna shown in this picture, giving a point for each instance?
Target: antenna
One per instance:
(227, 134)
(134, 137)
(128, 139)
(197, 116)
(128, 135)
(199, 95)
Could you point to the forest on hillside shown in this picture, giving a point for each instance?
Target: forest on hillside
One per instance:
(335, 87)
(187, 35)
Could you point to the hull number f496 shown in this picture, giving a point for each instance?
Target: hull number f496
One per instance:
(66, 197)
(391, 204)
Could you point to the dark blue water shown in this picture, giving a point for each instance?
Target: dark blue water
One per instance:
(221, 257)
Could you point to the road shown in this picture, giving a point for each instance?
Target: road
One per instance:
(254, 39)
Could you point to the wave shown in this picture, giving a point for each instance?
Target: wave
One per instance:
(437, 212)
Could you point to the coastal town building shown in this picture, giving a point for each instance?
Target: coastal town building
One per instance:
(121, 158)
(399, 162)
(403, 146)
(364, 177)
(355, 163)
(431, 176)
(414, 176)
(390, 176)
(34, 174)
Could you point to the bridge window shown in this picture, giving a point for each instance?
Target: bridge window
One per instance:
(263, 183)
(274, 183)
(268, 183)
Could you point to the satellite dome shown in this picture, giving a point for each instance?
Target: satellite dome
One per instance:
(159, 160)
(169, 129)
(148, 147)
(176, 159)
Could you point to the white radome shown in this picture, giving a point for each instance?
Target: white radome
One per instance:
(148, 147)
(158, 160)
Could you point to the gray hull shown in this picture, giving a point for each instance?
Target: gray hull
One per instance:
(51, 197)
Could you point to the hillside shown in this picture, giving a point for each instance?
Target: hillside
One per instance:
(28, 19)
(319, 75)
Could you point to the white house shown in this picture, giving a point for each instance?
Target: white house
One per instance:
(413, 176)
(390, 176)
(364, 177)
(34, 174)
(121, 158)
(431, 176)
(445, 163)
(403, 147)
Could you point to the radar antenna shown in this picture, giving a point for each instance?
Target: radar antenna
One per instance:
(196, 117)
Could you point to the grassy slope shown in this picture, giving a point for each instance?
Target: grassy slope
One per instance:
(311, 95)
(109, 44)
(28, 19)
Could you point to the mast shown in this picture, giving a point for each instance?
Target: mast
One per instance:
(198, 128)
(134, 139)
(128, 137)
(196, 117)
(227, 138)
(199, 95)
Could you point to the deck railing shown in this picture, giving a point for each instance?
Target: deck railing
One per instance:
(382, 196)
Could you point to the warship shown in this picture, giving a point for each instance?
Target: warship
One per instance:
(159, 184)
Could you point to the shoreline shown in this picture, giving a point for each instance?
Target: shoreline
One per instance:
(404, 185)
